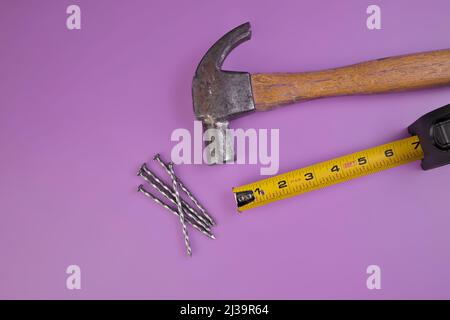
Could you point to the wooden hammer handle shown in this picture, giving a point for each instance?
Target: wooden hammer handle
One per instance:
(408, 72)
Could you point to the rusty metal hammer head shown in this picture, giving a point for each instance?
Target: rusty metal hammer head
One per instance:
(220, 96)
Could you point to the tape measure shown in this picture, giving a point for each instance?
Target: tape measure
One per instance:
(433, 133)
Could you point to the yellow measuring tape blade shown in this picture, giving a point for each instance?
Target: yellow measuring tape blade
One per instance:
(327, 173)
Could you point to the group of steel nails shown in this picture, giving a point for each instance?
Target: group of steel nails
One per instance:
(198, 218)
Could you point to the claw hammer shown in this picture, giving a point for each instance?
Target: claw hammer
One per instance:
(220, 96)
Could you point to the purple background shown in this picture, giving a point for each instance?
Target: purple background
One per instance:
(81, 110)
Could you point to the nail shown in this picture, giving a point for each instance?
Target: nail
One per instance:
(173, 211)
(194, 200)
(145, 170)
(180, 211)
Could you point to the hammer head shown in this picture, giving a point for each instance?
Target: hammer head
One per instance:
(220, 96)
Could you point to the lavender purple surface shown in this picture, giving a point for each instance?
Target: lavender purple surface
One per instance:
(80, 111)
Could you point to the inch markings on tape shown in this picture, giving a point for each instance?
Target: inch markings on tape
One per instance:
(327, 173)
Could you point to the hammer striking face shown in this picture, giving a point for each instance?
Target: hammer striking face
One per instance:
(220, 96)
